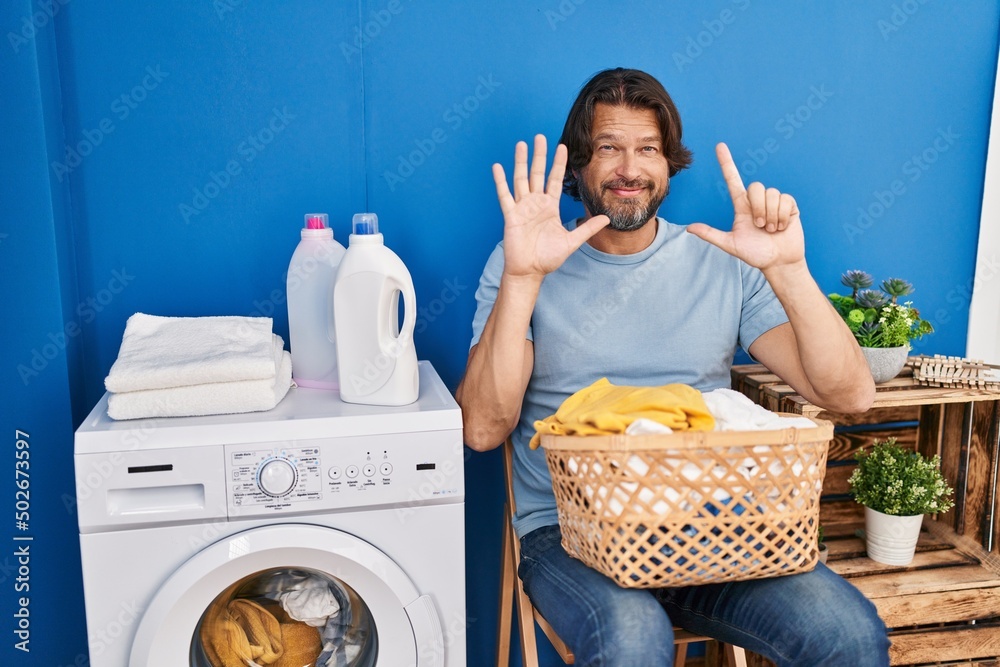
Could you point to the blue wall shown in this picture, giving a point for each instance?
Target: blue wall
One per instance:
(209, 128)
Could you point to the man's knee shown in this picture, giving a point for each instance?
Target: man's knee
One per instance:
(852, 634)
(633, 631)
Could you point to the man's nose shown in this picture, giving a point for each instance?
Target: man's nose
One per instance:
(628, 166)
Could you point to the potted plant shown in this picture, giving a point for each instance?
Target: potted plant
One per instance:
(882, 326)
(897, 486)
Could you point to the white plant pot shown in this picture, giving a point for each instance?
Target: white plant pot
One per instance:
(891, 539)
(885, 362)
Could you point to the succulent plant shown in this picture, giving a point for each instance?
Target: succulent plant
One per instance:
(896, 287)
(872, 298)
(856, 280)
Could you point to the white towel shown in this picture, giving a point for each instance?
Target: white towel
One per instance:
(735, 412)
(163, 352)
(216, 398)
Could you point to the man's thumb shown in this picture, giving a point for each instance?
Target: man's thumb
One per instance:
(714, 236)
(583, 232)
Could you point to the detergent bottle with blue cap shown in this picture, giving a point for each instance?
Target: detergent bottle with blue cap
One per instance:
(376, 358)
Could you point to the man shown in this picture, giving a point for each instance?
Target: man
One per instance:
(626, 295)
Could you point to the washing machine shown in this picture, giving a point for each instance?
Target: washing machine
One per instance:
(198, 534)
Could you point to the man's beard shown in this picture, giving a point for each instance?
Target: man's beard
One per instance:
(630, 214)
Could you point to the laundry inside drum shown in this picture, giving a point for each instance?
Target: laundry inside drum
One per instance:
(286, 617)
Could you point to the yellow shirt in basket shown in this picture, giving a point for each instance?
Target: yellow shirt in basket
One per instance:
(603, 408)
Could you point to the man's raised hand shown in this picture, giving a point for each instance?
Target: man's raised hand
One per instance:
(535, 241)
(767, 230)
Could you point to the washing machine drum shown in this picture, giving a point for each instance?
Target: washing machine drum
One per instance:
(289, 596)
(286, 617)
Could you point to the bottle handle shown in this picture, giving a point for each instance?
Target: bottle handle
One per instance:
(389, 341)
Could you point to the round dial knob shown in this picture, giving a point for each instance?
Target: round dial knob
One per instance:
(276, 477)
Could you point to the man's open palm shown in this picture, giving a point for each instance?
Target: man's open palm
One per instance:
(535, 241)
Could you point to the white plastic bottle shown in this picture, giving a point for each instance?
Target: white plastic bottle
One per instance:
(311, 330)
(375, 356)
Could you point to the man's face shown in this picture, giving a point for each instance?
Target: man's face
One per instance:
(627, 177)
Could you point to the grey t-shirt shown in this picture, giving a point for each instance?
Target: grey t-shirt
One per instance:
(673, 312)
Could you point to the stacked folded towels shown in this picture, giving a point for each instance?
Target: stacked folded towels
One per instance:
(189, 366)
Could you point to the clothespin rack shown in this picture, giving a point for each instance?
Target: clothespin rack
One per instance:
(942, 371)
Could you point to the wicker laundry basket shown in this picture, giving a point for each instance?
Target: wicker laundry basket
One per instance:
(689, 508)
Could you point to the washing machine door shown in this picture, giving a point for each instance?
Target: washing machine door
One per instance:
(193, 621)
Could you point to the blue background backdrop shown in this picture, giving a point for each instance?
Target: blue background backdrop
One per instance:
(159, 157)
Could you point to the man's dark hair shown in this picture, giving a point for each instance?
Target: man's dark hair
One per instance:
(628, 88)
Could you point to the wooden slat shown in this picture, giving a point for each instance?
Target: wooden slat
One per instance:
(835, 480)
(951, 457)
(926, 581)
(904, 413)
(842, 511)
(991, 520)
(935, 646)
(922, 560)
(854, 547)
(844, 445)
(978, 491)
(943, 607)
(930, 430)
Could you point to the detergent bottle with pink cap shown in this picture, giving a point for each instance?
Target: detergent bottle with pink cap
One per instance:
(311, 330)
(376, 358)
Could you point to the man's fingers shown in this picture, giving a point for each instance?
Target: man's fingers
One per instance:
(520, 170)
(772, 197)
(537, 178)
(555, 184)
(786, 210)
(757, 203)
(503, 192)
(583, 232)
(716, 237)
(732, 175)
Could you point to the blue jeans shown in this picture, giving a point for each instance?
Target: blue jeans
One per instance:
(809, 619)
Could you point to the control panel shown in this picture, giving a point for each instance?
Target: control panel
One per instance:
(342, 473)
(274, 475)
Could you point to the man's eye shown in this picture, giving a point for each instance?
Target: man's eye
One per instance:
(605, 147)
(650, 149)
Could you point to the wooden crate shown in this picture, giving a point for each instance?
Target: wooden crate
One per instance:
(944, 608)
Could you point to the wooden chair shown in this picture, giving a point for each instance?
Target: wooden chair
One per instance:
(512, 589)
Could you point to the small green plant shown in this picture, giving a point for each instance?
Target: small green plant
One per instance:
(892, 479)
(874, 316)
